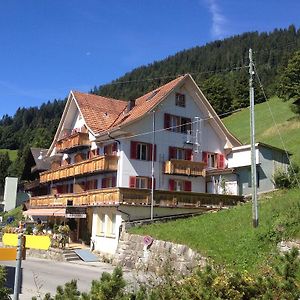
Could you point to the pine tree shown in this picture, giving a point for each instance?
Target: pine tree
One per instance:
(289, 84)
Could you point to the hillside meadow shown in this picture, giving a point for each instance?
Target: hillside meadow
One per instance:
(283, 133)
(228, 238)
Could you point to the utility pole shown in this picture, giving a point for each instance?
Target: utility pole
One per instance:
(253, 150)
(152, 164)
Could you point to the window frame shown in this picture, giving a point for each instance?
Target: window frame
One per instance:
(142, 151)
(186, 153)
(180, 100)
(184, 185)
(141, 179)
(101, 224)
(178, 124)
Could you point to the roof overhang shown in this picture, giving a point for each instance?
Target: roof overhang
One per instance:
(248, 147)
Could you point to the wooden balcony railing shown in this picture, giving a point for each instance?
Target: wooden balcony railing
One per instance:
(95, 165)
(112, 196)
(184, 167)
(73, 140)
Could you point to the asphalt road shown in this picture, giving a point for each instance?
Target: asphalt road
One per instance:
(40, 276)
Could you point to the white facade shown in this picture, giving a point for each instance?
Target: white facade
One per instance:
(241, 156)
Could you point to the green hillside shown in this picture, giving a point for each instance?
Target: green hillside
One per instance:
(228, 237)
(287, 123)
(11, 153)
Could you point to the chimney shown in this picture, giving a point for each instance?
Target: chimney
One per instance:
(130, 105)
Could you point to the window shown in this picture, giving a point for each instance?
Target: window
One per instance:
(211, 163)
(109, 182)
(180, 185)
(177, 123)
(113, 224)
(71, 188)
(180, 153)
(94, 153)
(111, 149)
(91, 184)
(180, 100)
(213, 160)
(140, 182)
(100, 224)
(80, 157)
(142, 151)
(66, 161)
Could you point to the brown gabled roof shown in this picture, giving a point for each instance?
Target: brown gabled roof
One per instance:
(148, 101)
(99, 112)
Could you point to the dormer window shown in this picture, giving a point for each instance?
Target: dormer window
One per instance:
(180, 100)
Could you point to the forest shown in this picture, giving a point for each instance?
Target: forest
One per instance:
(219, 68)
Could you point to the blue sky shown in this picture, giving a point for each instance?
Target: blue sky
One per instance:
(49, 47)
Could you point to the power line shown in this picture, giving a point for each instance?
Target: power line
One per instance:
(177, 126)
(276, 125)
(175, 76)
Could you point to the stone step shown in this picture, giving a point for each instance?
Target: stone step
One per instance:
(70, 255)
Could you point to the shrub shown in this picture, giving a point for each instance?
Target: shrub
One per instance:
(4, 292)
(29, 229)
(9, 229)
(286, 179)
(210, 283)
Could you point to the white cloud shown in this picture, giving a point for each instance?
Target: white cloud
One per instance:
(218, 19)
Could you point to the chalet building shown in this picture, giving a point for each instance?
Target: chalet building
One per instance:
(34, 165)
(106, 152)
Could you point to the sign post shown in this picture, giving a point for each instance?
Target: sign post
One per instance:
(18, 267)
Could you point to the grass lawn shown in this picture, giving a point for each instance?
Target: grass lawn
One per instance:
(11, 153)
(228, 237)
(266, 131)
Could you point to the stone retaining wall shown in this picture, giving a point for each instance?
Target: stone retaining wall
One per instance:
(133, 253)
(52, 253)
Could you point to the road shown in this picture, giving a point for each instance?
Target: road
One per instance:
(40, 276)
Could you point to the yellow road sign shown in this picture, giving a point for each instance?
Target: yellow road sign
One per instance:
(8, 253)
(42, 242)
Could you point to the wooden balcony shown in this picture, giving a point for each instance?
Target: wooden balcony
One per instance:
(116, 196)
(98, 164)
(74, 140)
(31, 184)
(184, 167)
